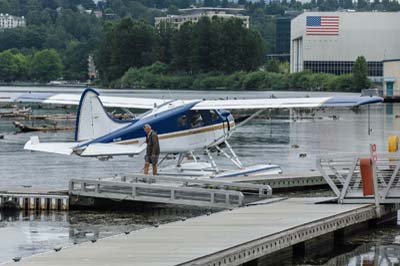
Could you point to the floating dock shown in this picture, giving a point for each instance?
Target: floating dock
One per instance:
(28, 199)
(170, 190)
(288, 181)
(202, 192)
(240, 236)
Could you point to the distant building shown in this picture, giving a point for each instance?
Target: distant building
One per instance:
(98, 14)
(330, 42)
(391, 77)
(8, 22)
(194, 14)
(282, 44)
(110, 16)
(92, 71)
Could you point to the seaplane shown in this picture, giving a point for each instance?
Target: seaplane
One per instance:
(183, 126)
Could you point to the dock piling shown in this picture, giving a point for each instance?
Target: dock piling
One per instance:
(36, 201)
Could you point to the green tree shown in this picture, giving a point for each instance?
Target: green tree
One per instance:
(253, 51)
(39, 17)
(360, 74)
(46, 65)
(8, 66)
(181, 48)
(217, 45)
(272, 66)
(75, 61)
(166, 33)
(126, 44)
(23, 66)
(201, 38)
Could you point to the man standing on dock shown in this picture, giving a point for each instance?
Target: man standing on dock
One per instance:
(152, 150)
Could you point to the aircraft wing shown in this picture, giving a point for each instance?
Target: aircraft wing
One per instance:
(91, 150)
(336, 101)
(148, 103)
(74, 99)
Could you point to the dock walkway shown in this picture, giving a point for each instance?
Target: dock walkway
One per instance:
(225, 238)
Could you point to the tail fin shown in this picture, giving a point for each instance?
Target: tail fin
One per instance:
(92, 120)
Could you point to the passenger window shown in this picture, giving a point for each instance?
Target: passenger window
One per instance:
(182, 121)
(197, 120)
(214, 116)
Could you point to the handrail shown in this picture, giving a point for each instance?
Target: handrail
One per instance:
(157, 193)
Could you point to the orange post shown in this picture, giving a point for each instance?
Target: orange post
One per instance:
(366, 175)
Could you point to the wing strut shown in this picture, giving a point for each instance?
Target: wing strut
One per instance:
(214, 165)
(233, 158)
(248, 119)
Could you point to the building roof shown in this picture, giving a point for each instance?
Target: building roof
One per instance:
(202, 9)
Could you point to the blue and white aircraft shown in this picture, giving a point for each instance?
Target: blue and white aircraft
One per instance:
(183, 126)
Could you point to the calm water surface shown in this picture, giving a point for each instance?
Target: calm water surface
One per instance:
(260, 141)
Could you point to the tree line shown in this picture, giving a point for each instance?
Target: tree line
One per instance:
(210, 45)
(59, 25)
(40, 66)
(158, 76)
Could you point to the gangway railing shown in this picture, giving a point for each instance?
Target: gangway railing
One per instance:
(170, 190)
(205, 182)
(343, 175)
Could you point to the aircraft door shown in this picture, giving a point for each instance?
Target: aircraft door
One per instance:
(198, 137)
(214, 120)
(227, 118)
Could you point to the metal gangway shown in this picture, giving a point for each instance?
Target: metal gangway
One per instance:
(342, 173)
(202, 192)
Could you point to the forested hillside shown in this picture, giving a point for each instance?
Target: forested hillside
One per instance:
(61, 34)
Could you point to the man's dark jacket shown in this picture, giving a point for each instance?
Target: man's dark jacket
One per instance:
(153, 147)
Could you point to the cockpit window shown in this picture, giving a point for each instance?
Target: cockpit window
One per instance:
(196, 120)
(182, 120)
(214, 116)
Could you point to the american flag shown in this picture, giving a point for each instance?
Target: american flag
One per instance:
(322, 25)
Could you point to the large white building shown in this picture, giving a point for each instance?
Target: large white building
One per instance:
(8, 22)
(330, 42)
(194, 14)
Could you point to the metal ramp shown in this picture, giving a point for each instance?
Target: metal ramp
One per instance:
(342, 173)
(171, 190)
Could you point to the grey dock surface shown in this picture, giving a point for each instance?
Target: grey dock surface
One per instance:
(283, 181)
(225, 238)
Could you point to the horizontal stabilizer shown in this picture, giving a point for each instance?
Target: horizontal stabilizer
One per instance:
(65, 148)
(112, 149)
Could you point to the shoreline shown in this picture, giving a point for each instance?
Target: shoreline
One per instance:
(42, 85)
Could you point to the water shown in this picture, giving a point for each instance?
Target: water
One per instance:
(374, 247)
(277, 141)
(260, 141)
(26, 233)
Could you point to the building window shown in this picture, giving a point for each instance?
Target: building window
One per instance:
(375, 69)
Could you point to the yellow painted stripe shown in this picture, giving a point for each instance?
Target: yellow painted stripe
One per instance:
(182, 134)
(129, 142)
(196, 131)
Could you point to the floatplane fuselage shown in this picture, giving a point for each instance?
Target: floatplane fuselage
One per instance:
(179, 128)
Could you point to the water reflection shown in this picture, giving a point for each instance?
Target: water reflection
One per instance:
(369, 255)
(26, 233)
